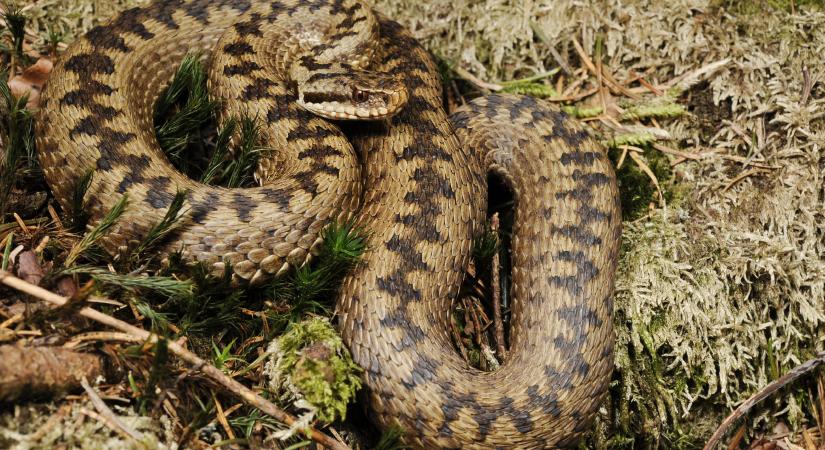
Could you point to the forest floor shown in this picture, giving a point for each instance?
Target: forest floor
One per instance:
(713, 113)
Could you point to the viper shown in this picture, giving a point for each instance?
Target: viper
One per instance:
(412, 176)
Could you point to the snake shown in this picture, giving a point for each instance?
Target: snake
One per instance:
(351, 109)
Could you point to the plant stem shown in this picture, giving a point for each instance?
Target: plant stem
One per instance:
(213, 373)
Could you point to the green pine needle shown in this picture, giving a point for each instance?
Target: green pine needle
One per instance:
(218, 159)
(159, 321)
(53, 40)
(17, 128)
(78, 216)
(168, 224)
(636, 139)
(392, 439)
(538, 90)
(183, 128)
(16, 23)
(92, 237)
(531, 86)
(165, 286)
(667, 111)
(344, 243)
(168, 287)
(582, 113)
(241, 167)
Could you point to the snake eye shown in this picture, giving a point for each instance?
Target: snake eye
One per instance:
(359, 95)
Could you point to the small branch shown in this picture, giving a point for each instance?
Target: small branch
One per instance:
(556, 55)
(495, 286)
(672, 151)
(807, 86)
(741, 177)
(26, 371)
(109, 417)
(98, 336)
(766, 392)
(211, 372)
(477, 81)
(646, 169)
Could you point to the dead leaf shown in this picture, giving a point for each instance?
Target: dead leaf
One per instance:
(67, 287)
(29, 269)
(31, 82)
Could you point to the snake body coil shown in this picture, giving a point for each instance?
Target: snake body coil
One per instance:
(420, 186)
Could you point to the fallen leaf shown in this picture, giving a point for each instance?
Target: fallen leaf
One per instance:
(67, 287)
(29, 269)
(31, 82)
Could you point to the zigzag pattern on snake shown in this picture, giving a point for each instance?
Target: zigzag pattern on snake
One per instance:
(414, 178)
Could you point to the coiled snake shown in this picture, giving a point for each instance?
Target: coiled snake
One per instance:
(417, 177)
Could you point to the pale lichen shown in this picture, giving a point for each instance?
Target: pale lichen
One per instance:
(36, 427)
(718, 292)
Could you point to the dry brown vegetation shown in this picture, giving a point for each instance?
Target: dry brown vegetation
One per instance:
(714, 113)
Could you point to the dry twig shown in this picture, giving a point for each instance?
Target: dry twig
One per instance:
(109, 417)
(495, 287)
(766, 392)
(27, 371)
(212, 372)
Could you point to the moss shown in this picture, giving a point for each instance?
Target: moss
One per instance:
(312, 358)
(756, 7)
(722, 292)
(48, 427)
(636, 189)
(582, 112)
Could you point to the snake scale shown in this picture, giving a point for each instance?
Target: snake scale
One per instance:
(414, 177)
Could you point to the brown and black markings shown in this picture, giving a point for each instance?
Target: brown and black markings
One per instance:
(422, 201)
(89, 126)
(539, 398)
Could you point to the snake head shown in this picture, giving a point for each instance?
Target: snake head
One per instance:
(352, 95)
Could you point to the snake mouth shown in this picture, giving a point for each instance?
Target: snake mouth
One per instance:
(341, 107)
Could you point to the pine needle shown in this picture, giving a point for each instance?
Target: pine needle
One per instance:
(91, 238)
(247, 155)
(168, 224)
(169, 287)
(78, 216)
(17, 126)
(183, 128)
(15, 20)
(218, 159)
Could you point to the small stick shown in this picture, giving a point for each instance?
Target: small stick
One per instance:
(766, 392)
(737, 438)
(457, 336)
(741, 177)
(807, 86)
(21, 223)
(477, 81)
(210, 371)
(106, 421)
(99, 336)
(556, 55)
(109, 417)
(222, 417)
(574, 98)
(680, 153)
(495, 286)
